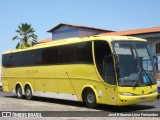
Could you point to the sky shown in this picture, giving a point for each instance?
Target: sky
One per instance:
(43, 15)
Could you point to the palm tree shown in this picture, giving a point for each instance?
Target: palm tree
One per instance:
(25, 32)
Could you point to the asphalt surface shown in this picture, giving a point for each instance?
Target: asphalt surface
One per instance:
(38, 102)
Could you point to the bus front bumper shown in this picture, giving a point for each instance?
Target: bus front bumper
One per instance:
(129, 100)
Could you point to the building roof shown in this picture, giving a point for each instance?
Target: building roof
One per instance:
(135, 31)
(71, 25)
(44, 41)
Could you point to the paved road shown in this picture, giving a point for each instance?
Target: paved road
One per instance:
(9, 102)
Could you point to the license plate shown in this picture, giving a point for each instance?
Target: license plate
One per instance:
(142, 99)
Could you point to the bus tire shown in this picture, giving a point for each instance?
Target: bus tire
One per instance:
(0, 88)
(89, 98)
(28, 92)
(19, 92)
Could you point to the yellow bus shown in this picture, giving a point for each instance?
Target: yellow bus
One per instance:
(113, 70)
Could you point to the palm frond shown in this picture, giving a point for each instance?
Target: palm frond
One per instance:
(25, 32)
(15, 37)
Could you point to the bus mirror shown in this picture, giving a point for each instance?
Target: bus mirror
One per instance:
(155, 59)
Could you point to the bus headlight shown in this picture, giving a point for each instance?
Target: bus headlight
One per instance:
(154, 91)
(126, 93)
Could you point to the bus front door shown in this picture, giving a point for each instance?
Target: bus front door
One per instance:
(110, 80)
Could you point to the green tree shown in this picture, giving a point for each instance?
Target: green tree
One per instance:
(25, 35)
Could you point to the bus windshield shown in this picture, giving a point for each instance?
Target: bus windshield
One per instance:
(135, 64)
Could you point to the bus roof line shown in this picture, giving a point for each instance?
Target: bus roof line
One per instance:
(75, 40)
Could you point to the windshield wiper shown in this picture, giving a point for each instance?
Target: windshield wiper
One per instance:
(142, 72)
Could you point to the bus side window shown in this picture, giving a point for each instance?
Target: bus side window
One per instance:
(104, 61)
(108, 69)
(50, 55)
(66, 54)
(83, 53)
(6, 60)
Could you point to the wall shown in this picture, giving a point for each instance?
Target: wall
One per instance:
(70, 32)
(88, 32)
(65, 32)
(153, 42)
(153, 39)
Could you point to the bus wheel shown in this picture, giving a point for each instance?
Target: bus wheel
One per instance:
(28, 93)
(19, 92)
(90, 99)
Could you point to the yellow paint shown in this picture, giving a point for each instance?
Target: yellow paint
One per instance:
(73, 78)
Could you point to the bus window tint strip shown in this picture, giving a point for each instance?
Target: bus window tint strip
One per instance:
(80, 53)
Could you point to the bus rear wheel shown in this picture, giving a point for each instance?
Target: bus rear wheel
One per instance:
(90, 99)
(19, 92)
(28, 93)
